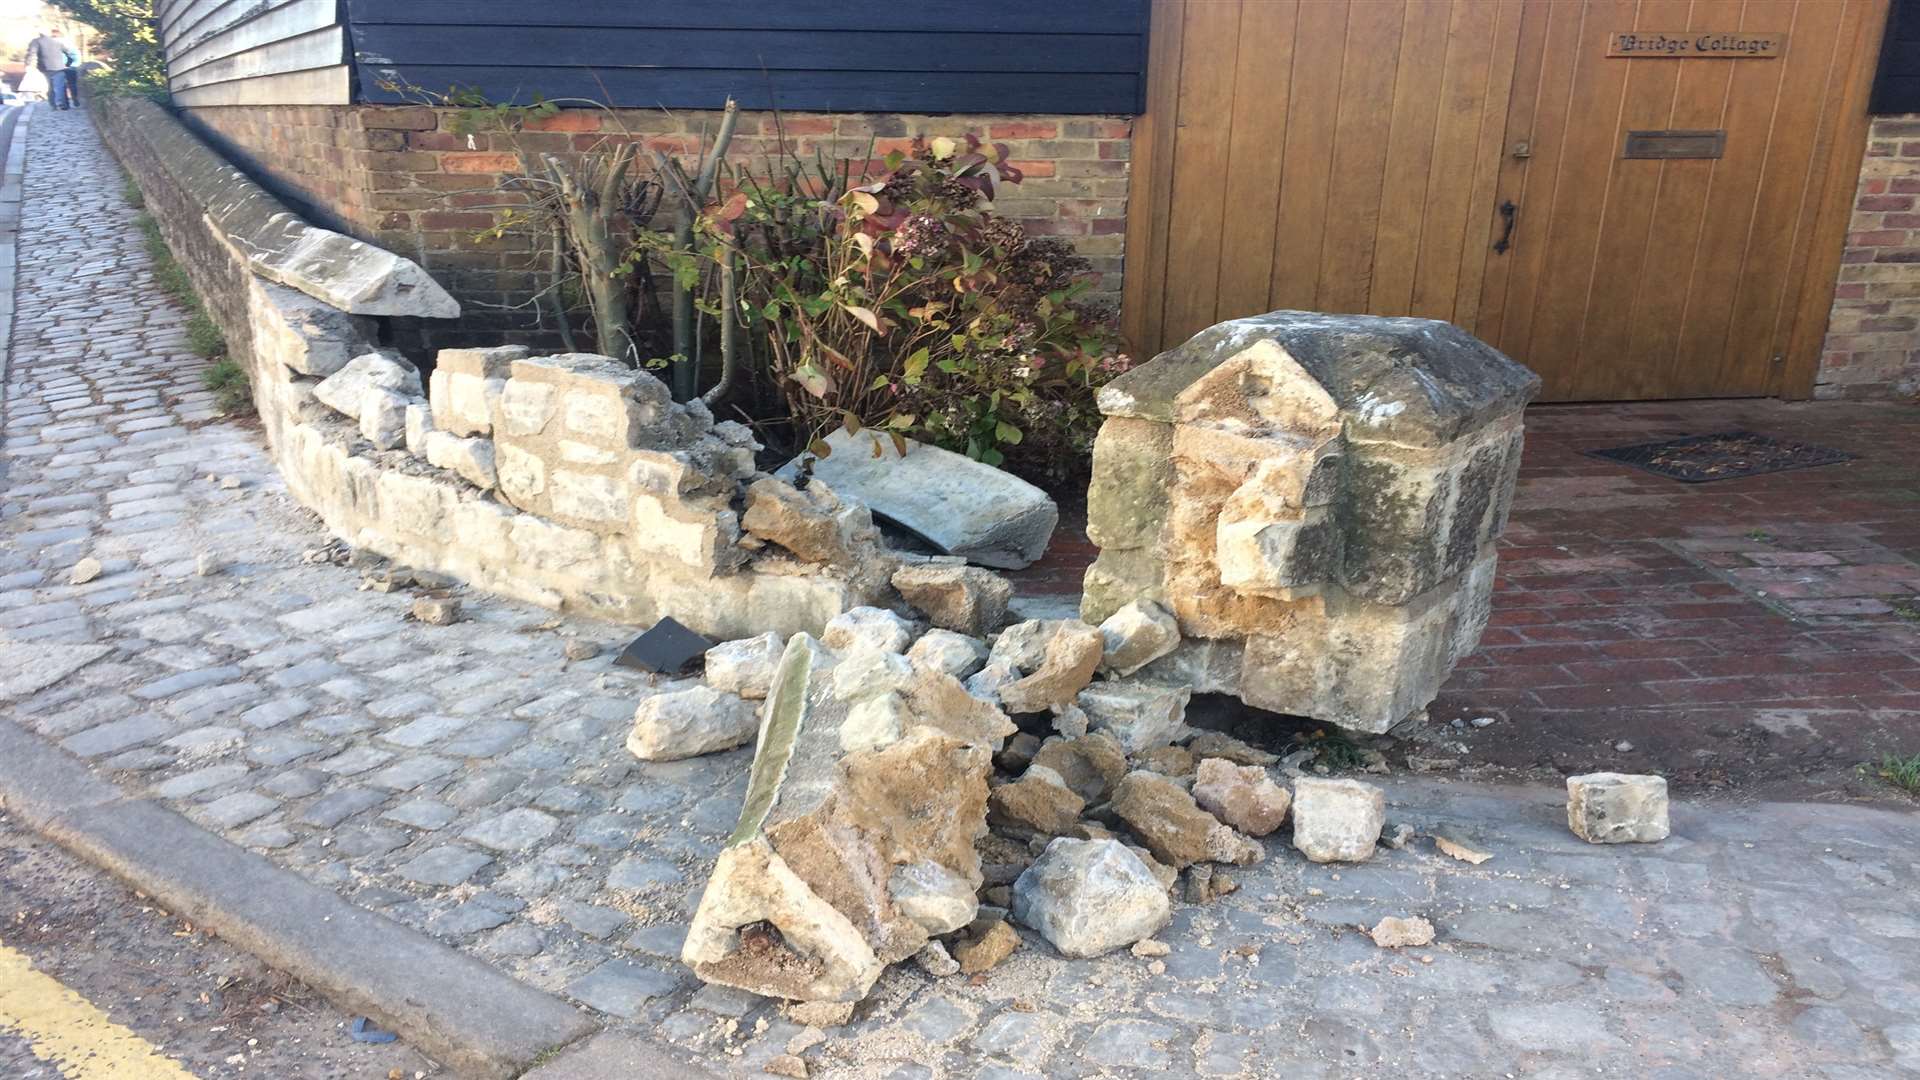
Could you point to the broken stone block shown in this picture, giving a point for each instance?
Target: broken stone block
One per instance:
(1337, 820)
(865, 628)
(986, 951)
(1617, 808)
(1090, 897)
(471, 459)
(1243, 796)
(1018, 753)
(466, 387)
(1315, 496)
(871, 673)
(1039, 802)
(383, 418)
(688, 723)
(1172, 826)
(345, 391)
(874, 722)
(84, 571)
(1091, 764)
(965, 599)
(419, 421)
(1139, 715)
(814, 524)
(944, 650)
(936, 961)
(987, 683)
(1394, 932)
(940, 701)
(744, 667)
(957, 504)
(800, 904)
(940, 900)
(1137, 635)
(437, 610)
(1072, 655)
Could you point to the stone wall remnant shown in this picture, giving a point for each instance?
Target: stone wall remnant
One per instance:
(1315, 498)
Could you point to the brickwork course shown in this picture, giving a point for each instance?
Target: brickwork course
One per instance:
(470, 781)
(407, 179)
(1873, 333)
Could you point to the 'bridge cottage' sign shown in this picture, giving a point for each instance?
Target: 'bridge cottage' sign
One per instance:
(1695, 45)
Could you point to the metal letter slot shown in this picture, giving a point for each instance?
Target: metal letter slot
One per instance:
(1675, 144)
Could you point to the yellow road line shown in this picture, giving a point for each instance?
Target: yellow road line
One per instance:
(64, 1028)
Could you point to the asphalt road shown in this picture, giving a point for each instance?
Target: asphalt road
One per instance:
(214, 1010)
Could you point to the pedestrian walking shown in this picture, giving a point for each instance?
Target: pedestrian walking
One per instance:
(53, 58)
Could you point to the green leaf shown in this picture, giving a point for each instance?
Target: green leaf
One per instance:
(916, 365)
(1007, 433)
(992, 457)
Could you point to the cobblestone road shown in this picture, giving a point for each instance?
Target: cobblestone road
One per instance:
(470, 781)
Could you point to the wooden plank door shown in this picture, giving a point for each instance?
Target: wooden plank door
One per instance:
(1316, 154)
(1633, 279)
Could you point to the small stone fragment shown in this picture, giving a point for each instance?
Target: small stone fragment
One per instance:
(1214, 744)
(581, 649)
(1397, 835)
(744, 667)
(786, 1065)
(1137, 635)
(943, 650)
(1464, 852)
(1617, 808)
(84, 571)
(820, 1014)
(206, 564)
(862, 628)
(805, 1040)
(1091, 765)
(1165, 818)
(1150, 948)
(1166, 760)
(871, 673)
(437, 610)
(1394, 932)
(1140, 715)
(966, 599)
(1071, 657)
(875, 722)
(985, 952)
(933, 896)
(1040, 801)
(1090, 897)
(1018, 753)
(935, 960)
(691, 722)
(1199, 884)
(1337, 820)
(1070, 720)
(1243, 796)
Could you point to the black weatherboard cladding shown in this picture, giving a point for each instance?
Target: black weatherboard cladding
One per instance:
(930, 56)
(1896, 88)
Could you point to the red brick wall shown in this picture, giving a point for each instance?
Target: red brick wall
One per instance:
(402, 178)
(1873, 333)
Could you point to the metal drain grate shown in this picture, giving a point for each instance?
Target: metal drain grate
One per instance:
(1727, 455)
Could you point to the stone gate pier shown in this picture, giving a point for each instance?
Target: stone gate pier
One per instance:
(1316, 500)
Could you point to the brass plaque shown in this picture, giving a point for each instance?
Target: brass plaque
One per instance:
(1675, 144)
(1695, 45)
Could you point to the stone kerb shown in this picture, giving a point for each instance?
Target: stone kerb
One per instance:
(1316, 499)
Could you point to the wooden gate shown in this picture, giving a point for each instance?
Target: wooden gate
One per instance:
(1661, 222)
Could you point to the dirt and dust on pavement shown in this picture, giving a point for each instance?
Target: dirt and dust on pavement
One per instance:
(212, 1008)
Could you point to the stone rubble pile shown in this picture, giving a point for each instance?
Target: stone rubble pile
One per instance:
(896, 812)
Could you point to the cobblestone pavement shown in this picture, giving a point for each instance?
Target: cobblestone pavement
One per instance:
(470, 781)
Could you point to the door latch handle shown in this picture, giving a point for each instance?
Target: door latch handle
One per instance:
(1510, 213)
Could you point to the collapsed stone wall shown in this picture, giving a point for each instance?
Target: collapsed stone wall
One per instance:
(1316, 499)
(569, 481)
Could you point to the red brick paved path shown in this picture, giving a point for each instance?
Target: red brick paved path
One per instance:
(1763, 631)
